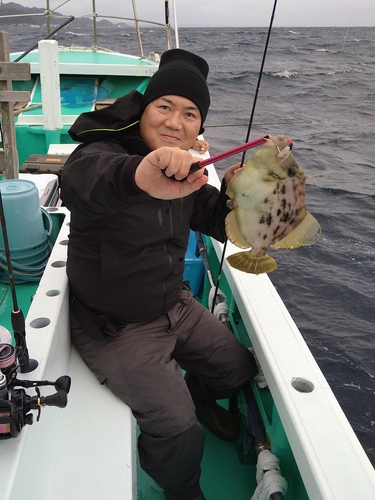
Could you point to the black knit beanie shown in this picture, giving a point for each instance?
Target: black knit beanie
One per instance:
(180, 73)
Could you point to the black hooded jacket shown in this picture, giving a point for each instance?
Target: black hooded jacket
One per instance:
(126, 249)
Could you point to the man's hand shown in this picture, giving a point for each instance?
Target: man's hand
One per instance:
(153, 174)
(231, 172)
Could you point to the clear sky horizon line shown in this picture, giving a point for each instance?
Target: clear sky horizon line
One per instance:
(236, 13)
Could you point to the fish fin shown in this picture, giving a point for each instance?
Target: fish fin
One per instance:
(244, 261)
(306, 233)
(234, 232)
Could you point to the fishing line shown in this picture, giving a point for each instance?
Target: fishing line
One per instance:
(259, 78)
(347, 32)
(259, 124)
(247, 137)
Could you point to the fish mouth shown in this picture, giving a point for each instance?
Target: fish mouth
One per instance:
(280, 138)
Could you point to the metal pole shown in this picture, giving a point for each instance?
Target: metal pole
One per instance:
(94, 15)
(175, 25)
(137, 29)
(48, 18)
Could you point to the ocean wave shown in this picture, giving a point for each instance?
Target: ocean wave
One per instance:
(283, 74)
(77, 34)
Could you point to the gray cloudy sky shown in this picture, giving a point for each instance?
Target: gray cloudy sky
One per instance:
(232, 12)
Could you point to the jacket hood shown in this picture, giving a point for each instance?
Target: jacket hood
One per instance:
(114, 121)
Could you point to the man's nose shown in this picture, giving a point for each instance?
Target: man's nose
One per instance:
(174, 120)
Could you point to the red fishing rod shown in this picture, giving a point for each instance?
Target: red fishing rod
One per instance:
(221, 156)
(17, 317)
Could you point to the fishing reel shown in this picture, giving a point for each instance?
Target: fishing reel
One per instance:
(15, 403)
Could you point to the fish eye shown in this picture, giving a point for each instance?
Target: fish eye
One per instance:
(292, 171)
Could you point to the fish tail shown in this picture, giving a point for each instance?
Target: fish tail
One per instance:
(244, 261)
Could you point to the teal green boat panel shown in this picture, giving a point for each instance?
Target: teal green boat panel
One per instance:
(87, 57)
(28, 138)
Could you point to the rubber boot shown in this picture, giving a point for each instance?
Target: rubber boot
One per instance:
(221, 422)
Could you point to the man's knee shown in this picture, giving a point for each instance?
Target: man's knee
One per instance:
(171, 461)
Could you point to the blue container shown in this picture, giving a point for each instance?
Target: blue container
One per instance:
(23, 215)
(194, 267)
(25, 227)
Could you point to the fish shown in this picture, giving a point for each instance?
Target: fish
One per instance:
(268, 207)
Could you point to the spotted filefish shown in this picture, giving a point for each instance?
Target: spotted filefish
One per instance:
(267, 198)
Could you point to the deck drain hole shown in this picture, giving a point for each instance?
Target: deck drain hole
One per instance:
(302, 385)
(64, 242)
(40, 322)
(59, 263)
(53, 293)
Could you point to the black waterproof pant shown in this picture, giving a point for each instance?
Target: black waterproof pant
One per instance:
(142, 366)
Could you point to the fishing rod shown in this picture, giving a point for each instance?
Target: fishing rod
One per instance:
(253, 413)
(230, 152)
(260, 77)
(250, 124)
(17, 318)
(225, 154)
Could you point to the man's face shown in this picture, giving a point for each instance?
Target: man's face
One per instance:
(172, 121)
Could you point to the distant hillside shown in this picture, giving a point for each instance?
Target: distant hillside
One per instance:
(12, 8)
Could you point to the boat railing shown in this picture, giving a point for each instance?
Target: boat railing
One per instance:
(50, 14)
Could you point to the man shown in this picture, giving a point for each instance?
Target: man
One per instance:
(133, 202)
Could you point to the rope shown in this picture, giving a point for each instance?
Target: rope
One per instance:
(217, 302)
(270, 480)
